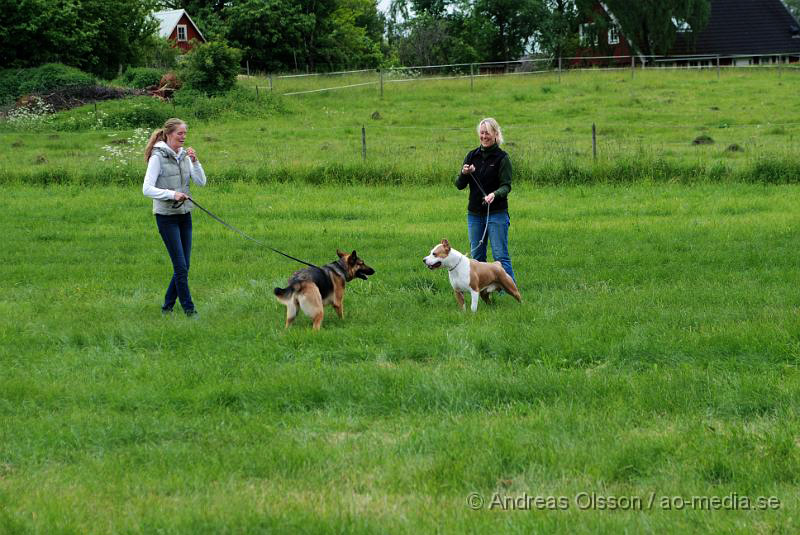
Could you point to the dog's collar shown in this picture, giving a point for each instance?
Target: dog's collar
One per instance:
(457, 263)
(339, 269)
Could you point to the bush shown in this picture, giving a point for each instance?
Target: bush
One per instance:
(239, 102)
(15, 83)
(211, 68)
(160, 53)
(140, 77)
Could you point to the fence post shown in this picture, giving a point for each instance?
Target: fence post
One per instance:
(471, 76)
(780, 66)
(594, 142)
(633, 60)
(363, 143)
(270, 82)
(95, 111)
(248, 67)
(380, 73)
(256, 91)
(717, 66)
(559, 69)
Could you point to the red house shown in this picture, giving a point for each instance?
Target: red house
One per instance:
(177, 26)
(738, 32)
(600, 38)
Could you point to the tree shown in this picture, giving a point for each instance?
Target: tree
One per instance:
(794, 7)
(211, 67)
(506, 27)
(99, 36)
(429, 40)
(290, 34)
(650, 24)
(269, 32)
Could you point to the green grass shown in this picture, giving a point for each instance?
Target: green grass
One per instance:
(645, 129)
(655, 354)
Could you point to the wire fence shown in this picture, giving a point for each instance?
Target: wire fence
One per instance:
(300, 84)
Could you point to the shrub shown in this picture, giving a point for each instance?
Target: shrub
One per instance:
(140, 77)
(211, 68)
(160, 53)
(239, 102)
(17, 82)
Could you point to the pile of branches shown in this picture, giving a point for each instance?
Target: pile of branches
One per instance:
(72, 97)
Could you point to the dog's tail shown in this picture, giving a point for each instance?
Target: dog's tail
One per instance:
(283, 294)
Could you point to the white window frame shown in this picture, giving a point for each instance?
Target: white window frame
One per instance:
(185, 32)
(586, 34)
(681, 25)
(613, 34)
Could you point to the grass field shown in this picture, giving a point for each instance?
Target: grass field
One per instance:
(645, 129)
(654, 358)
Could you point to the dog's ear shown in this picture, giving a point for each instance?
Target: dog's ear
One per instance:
(446, 246)
(353, 258)
(339, 253)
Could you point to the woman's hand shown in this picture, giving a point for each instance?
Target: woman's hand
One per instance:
(489, 198)
(180, 196)
(467, 169)
(191, 154)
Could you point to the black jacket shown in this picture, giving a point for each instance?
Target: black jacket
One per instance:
(493, 173)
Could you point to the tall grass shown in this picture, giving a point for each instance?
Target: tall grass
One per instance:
(419, 132)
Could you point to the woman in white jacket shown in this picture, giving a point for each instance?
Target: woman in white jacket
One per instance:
(170, 170)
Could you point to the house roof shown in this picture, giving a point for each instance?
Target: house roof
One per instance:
(169, 19)
(744, 27)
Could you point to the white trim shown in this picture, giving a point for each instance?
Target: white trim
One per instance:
(183, 27)
(169, 20)
(630, 44)
(613, 34)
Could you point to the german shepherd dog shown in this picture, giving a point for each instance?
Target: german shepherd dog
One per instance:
(311, 288)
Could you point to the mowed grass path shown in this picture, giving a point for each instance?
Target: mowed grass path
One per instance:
(655, 355)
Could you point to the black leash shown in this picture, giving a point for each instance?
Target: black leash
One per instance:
(486, 226)
(177, 204)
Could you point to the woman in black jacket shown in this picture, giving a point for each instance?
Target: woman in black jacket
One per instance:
(487, 172)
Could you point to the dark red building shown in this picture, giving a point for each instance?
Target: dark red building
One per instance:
(177, 26)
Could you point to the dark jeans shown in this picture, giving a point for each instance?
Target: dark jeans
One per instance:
(176, 231)
(497, 236)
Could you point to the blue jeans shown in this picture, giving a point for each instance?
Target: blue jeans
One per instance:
(497, 235)
(176, 231)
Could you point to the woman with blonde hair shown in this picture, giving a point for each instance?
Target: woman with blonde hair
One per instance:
(487, 172)
(170, 169)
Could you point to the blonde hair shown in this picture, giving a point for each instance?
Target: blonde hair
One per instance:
(493, 127)
(161, 135)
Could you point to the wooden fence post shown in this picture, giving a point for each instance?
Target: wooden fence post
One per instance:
(594, 142)
(717, 66)
(559, 69)
(248, 67)
(380, 73)
(471, 76)
(363, 143)
(633, 65)
(270, 82)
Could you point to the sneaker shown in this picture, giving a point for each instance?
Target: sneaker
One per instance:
(191, 313)
(166, 311)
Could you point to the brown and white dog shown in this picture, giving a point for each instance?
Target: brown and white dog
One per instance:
(467, 275)
(312, 288)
